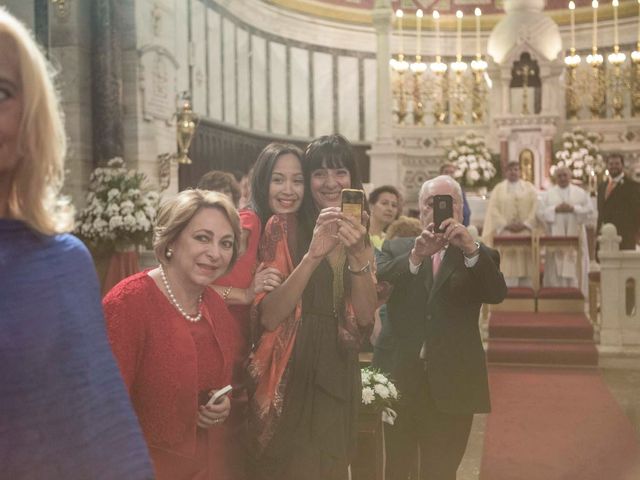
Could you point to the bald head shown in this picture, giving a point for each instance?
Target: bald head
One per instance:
(441, 185)
(562, 176)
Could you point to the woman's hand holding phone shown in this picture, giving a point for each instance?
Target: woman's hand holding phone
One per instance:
(216, 410)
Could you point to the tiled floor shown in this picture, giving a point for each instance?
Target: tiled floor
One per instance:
(624, 385)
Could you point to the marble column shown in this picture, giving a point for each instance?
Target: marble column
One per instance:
(382, 17)
(385, 161)
(106, 80)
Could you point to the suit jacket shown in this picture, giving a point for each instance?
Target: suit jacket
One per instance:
(442, 313)
(622, 208)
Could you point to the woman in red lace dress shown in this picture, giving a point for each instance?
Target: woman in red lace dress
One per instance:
(175, 340)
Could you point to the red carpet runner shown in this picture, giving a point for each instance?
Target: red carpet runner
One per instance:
(556, 424)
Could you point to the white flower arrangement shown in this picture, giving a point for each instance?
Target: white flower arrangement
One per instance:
(120, 211)
(581, 154)
(470, 155)
(377, 390)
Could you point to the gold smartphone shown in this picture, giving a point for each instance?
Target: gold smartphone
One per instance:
(353, 203)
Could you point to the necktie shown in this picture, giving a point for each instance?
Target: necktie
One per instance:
(610, 186)
(436, 259)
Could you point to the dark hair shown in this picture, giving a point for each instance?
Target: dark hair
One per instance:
(445, 165)
(261, 177)
(376, 192)
(238, 174)
(329, 151)
(616, 155)
(217, 181)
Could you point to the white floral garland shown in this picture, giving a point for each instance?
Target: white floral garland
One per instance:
(119, 210)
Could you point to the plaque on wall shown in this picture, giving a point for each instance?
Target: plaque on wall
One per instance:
(158, 72)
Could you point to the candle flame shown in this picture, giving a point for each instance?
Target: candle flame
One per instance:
(459, 13)
(594, 4)
(436, 14)
(399, 13)
(615, 3)
(572, 6)
(478, 12)
(419, 13)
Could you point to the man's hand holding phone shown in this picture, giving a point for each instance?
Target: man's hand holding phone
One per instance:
(216, 410)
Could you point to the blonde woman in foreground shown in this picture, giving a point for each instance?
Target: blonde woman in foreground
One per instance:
(64, 411)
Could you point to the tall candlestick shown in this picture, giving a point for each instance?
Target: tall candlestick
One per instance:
(614, 3)
(459, 35)
(478, 13)
(638, 24)
(419, 15)
(436, 20)
(572, 7)
(399, 15)
(594, 46)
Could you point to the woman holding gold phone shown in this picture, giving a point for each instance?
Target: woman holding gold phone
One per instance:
(305, 367)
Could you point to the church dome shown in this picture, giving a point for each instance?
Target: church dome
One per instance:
(525, 22)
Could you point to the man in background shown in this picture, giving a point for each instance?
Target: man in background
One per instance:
(512, 212)
(619, 202)
(565, 210)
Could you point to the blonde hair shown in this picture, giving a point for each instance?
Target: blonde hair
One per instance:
(175, 214)
(39, 174)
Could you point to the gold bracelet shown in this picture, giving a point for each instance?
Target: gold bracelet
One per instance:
(225, 293)
(362, 271)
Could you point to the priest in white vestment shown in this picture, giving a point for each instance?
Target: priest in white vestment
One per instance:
(512, 212)
(565, 210)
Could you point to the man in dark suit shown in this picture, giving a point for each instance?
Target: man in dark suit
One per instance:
(619, 202)
(439, 363)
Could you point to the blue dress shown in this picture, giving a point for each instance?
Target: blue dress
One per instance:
(64, 410)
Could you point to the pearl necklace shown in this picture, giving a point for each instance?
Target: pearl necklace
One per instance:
(172, 297)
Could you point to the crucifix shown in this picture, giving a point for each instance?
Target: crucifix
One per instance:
(524, 72)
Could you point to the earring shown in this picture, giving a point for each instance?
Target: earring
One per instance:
(169, 253)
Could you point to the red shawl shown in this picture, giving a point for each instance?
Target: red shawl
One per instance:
(268, 363)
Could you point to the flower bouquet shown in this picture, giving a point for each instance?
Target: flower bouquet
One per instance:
(379, 393)
(120, 211)
(470, 155)
(581, 154)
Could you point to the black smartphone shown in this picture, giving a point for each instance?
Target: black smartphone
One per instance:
(352, 202)
(442, 209)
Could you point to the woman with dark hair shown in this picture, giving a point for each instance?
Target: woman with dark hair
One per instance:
(305, 367)
(223, 182)
(385, 207)
(278, 167)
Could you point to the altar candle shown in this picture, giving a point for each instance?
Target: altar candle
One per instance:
(419, 15)
(572, 7)
(459, 35)
(436, 20)
(399, 15)
(615, 21)
(594, 5)
(478, 13)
